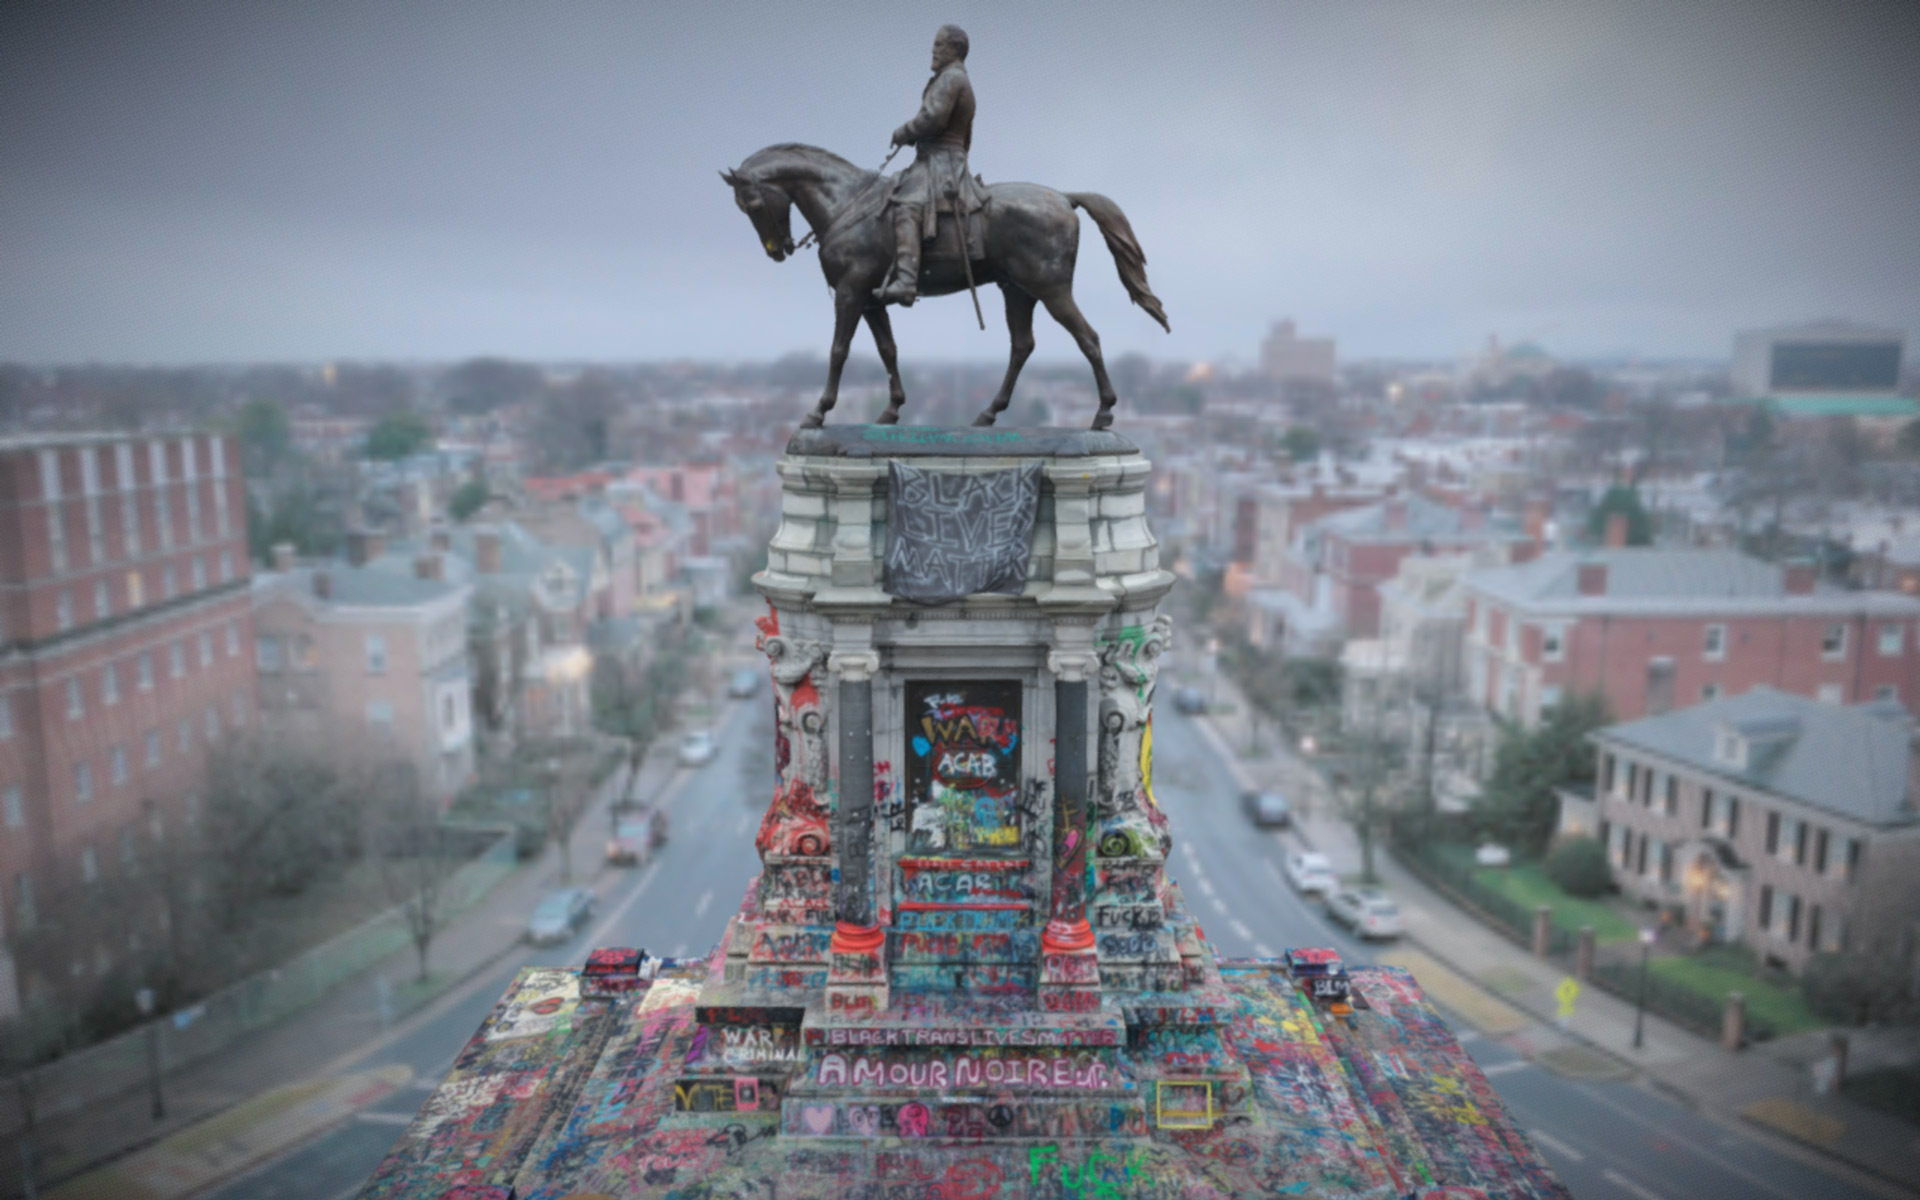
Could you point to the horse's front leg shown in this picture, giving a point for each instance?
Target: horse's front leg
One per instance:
(847, 305)
(882, 327)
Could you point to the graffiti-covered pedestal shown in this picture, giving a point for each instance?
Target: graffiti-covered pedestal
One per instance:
(963, 969)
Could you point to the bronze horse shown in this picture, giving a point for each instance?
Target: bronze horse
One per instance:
(1032, 237)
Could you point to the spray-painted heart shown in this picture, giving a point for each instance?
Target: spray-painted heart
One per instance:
(818, 1118)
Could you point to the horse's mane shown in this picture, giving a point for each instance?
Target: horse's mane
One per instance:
(811, 155)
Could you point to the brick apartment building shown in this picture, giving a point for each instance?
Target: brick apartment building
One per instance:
(1658, 629)
(1770, 820)
(126, 650)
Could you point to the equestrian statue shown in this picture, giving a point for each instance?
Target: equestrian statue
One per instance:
(934, 230)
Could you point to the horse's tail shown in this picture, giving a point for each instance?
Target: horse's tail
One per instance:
(1127, 255)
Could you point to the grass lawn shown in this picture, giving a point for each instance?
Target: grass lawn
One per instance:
(1783, 1009)
(1528, 886)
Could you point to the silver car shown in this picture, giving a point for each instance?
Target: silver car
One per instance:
(559, 916)
(1368, 913)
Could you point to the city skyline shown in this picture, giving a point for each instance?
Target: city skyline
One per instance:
(224, 184)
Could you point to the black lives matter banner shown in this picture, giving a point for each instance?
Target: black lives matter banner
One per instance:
(951, 534)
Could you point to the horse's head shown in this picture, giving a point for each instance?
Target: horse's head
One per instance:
(769, 208)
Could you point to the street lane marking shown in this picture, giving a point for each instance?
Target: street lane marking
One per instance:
(706, 899)
(1666, 1132)
(1240, 927)
(1556, 1145)
(1503, 1068)
(384, 1118)
(1627, 1185)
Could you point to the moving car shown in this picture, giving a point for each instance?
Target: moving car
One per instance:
(1266, 809)
(1190, 701)
(1370, 914)
(697, 748)
(637, 834)
(744, 682)
(1310, 873)
(559, 915)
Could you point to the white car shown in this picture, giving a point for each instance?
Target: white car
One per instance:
(1310, 873)
(1368, 913)
(697, 748)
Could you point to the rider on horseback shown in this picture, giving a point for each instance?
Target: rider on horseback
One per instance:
(938, 180)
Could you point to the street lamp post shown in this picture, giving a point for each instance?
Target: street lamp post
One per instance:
(1640, 1008)
(144, 998)
(1213, 669)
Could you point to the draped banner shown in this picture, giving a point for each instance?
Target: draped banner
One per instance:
(951, 533)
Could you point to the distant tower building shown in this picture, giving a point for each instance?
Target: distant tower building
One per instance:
(1292, 359)
(1824, 357)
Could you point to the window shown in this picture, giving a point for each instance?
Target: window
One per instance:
(1665, 871)
(1723, 815)
(199, 572)
(6, 717)
(376, 654)
(213, 723)
(110, 684)
(1892, 639)
(226, 556)
(380, 716)
(63, 611)
(1633, 781)
(184, 736)
(1830, 693)
(25, 914)
(1715, 643)
(1672, 804)
(128, 851)
(1887, 692)
(206, 648)
(89, 865)
(136, 589)
(144, 668)
(239, 707)
(102, 601)
(1773, 833)
(1849, 864)
(1813, 927)
(177, 659)
(117, 763)
(1766, 906)
(13, 808)
(1646, 787)
(76, 707)
(448, 712)
(1553, 644)
(169, 582)
(1640, 862)
(1709, 692)
(266, 652)
(1836, 933)
(83, 781)
(1820, 851)
(1549, 698)
(1833, 641)
(1793, 917)
(153, 747)
(233, 639)
(1617, 846)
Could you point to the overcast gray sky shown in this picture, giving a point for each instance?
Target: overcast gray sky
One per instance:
(247, 181)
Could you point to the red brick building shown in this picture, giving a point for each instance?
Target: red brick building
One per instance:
(1658, 629)
(126, 651)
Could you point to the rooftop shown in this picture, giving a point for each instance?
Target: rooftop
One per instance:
(1659, 579)
(1849, 761)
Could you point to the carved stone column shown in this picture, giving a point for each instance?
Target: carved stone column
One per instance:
(857, 975)
(1069, 969)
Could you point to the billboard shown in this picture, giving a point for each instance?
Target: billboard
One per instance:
(1836, 366)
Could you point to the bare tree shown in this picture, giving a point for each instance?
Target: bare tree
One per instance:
(416, 853)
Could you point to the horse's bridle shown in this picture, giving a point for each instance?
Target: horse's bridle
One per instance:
(813, 235)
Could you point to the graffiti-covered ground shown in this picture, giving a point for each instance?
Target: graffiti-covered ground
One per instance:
(563, 1096)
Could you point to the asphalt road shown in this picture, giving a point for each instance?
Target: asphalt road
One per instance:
(1615, 1141)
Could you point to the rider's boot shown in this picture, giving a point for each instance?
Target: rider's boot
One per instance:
(904, 285)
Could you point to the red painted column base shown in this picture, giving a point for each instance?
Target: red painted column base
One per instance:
(1060, 937)
(849, 938)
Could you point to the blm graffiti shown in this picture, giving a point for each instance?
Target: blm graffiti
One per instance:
(963, 767)
(951, 534)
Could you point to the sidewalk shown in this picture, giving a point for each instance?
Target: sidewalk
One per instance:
(239, 1108)
(1508, 994)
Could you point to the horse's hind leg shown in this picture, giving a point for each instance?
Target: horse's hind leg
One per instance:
(1020, 341)
(847, 306)
(882, 327)
(1060, 304)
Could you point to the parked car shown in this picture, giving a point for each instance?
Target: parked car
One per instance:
(559, 916)
(1368, 913)
(1266, 809)
(1310, 873)
(1189, 700)
(744, 682)
(697, 748)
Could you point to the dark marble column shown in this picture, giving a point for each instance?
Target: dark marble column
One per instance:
(1067, 928)
(853, 905)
